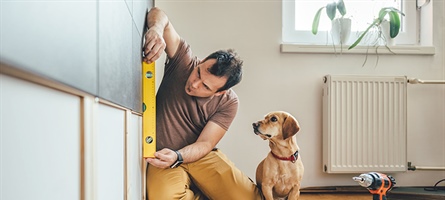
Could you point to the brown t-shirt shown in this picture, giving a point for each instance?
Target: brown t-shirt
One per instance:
(180, 118)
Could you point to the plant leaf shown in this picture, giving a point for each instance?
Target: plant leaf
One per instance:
(358, 40)
(374, 23)
(394, 24)
(382, 13)
(389, 9)
(341, 7)
(386, 10)
(316, 21)
(331, 10)
(394, 20)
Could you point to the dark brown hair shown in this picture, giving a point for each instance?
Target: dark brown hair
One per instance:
(227, 64)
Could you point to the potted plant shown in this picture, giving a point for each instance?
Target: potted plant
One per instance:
(379, 23)
(341, 26)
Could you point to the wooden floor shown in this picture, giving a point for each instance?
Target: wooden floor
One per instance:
(359, 193)
(365, 197)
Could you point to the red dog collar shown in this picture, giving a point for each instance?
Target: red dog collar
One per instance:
(292, 158)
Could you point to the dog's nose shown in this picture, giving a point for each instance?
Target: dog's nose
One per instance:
(255, 128)
(255, 125)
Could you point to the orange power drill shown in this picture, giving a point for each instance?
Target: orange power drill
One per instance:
(377, 183)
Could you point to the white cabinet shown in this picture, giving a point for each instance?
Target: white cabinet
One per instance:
(40, 142)
(58, 144)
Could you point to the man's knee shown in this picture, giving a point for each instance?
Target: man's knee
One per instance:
(168, 184)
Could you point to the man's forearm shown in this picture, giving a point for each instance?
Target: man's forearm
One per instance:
(157, 19)
(195, 151)
(160, 36)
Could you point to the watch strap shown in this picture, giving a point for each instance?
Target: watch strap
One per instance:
(178, 161)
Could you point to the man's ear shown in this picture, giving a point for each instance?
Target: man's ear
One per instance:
(220, 93)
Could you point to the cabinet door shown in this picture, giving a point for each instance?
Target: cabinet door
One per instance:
(109, 144)
(135, 163)
(40, 142)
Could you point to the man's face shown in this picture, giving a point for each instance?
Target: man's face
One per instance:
(201, 83)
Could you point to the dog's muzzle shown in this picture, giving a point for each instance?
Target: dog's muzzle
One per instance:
(257, 132)
(255, 128)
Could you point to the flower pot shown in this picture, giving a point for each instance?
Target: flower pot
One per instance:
(340, 30)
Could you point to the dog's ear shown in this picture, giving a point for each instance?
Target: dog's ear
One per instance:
(290, 127)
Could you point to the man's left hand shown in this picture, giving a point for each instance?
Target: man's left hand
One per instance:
(154, 45)
(163, 158)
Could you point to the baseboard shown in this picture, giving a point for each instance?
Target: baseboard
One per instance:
(411, 193)
(335, 189)
(397, 193)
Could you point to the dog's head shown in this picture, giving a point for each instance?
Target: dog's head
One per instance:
(276, 124)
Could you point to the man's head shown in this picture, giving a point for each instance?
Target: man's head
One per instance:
(214, 75)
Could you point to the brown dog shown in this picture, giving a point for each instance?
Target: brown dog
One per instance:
(280, 173)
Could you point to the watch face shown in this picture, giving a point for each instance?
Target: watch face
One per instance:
(176, 164)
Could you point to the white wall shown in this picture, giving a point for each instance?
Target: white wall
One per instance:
(292, 82)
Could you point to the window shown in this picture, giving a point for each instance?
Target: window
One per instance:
(298, 16)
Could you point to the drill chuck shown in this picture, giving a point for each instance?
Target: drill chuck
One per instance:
(365, 180)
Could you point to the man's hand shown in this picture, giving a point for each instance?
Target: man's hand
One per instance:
(154, 45)
(163, 158)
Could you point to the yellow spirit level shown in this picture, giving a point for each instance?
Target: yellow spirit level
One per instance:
(148, 109)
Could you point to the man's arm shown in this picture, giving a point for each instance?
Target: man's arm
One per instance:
(210, 136)
(160, 36)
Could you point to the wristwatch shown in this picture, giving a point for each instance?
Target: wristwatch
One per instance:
(178, 161)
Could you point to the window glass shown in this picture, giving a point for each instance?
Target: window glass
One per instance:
(298, 16)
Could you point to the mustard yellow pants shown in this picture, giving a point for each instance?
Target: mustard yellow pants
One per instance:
(213, 177)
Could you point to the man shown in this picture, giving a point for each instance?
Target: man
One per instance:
(195, 107)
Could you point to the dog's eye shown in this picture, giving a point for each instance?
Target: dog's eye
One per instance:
(273, 119)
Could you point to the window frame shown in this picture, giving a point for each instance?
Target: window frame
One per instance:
(408, 36)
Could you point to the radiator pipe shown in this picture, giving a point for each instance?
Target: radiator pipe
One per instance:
(414, 168)
(418, 81)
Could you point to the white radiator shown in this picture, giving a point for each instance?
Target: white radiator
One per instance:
(364, 124)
